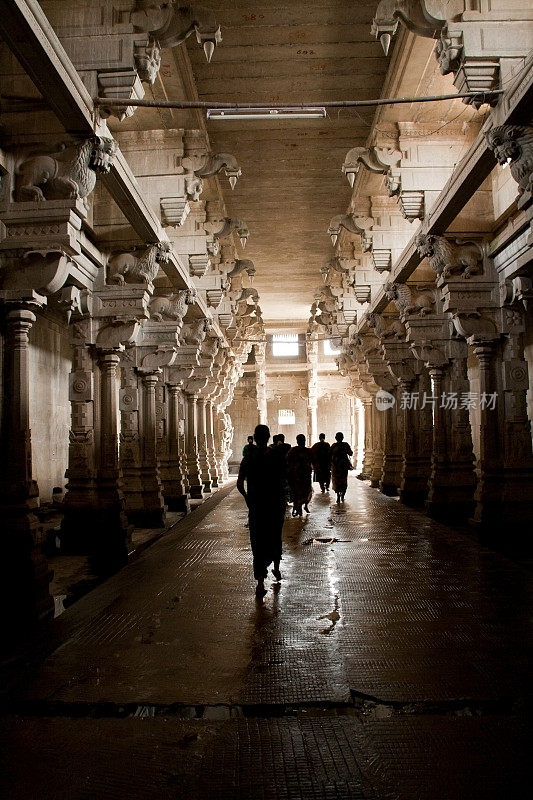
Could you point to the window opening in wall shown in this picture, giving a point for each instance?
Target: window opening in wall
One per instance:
(285, 344)
(286, 417)
(330, 348)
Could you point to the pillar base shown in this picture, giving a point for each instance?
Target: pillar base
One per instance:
(148, 518)
(503, 501)
(388, 489)
(207, 486)
(451, 492)
(196, 492)
(449, 510)
(178, 503)
(25, 598)
(102, 534)
(415, 480)
(413, 497)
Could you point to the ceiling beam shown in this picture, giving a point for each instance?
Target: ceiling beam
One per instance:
(34, 43)
(514, 107)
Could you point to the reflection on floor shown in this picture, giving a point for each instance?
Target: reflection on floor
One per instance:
(388, 663)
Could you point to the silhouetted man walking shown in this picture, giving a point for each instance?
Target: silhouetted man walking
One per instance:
(263, 471)
(322, 462)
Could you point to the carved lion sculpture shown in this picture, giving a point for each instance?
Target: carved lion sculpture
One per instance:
(66, 175)
(406, 302)
(396, 329)
(514, 142)
(140, 267)
(173, 307)
(447, 258)
(195, 332)
(210, 347)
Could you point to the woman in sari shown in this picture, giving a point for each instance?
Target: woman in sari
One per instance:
(340, 465)
(299, 470)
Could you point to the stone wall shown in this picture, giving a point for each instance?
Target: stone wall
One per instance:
(334, 414)
(244, 416)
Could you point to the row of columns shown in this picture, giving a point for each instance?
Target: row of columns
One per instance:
(424, 453)
(125, 469)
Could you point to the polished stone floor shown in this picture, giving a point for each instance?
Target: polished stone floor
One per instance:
(389, 663)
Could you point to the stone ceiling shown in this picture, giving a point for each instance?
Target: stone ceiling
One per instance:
(292, 183)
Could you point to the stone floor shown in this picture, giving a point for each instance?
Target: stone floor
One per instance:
(389, 663)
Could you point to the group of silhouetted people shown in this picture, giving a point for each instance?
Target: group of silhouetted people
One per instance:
(277, 474)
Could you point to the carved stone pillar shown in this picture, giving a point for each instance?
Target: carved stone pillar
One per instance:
(393, 449)
(378, 445)
(203, 456)
(368, 455)
(111, 537)
(193, 466)
(80, 502)
(153, 507)
(130, 437)
(312, 404)
(261, 395)
(219, 446)
(26, 576)
(418, 436)
(451, 483)
(490, 466)
(215, 477)
(174, 490)
(515, 427)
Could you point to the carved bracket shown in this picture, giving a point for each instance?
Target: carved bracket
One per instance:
(407, 302)
(513, 145)
(375, 159)
(170, 24)
(68, 174)
(447, 258)
(358, 225)
(138, 266)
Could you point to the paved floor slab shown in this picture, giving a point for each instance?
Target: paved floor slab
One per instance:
(387, 629)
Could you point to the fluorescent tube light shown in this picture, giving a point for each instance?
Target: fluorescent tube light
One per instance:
(267, 113)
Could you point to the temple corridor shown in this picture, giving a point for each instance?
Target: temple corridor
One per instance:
(388, 663)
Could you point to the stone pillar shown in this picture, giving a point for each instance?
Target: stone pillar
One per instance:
(488, 511)
(261, 395)
(152, 514)
(130, 437)
(312, 403)
(193, 466)
(354, 429)
(437, 496)
(219, 447)
(368, 455)
(80, 503)
(417, 437)
(112, 534)
(203, 456)
(215, 478)
(174, 490)
(378, 440)
(392, 420)
(25, 597)
(452, 479)
(515, 427)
